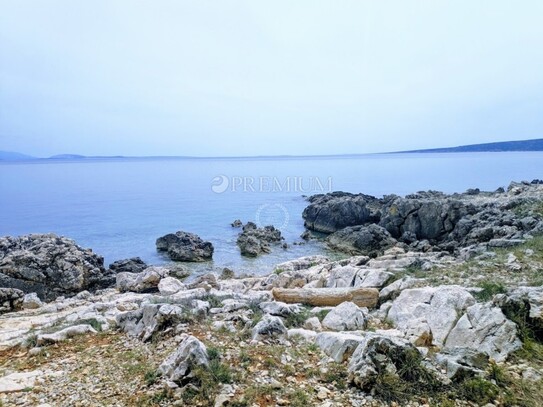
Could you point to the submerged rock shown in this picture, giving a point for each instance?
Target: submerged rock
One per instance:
(50, 266)
(184, 246)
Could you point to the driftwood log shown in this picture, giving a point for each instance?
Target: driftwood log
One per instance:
(320, 297)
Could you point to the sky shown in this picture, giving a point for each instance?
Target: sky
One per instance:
(234, 78)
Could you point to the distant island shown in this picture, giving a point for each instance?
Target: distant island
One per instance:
(502, 146)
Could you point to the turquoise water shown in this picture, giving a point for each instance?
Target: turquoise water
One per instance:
(118, 207)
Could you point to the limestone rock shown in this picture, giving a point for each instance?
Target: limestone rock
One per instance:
(184, 246)
(338, 345)
(254, 241)
(50, 266)
(370, 240)
(345, 317)
(429, 311)
(11, 299)
(170, 285)
(31, 301)
(179, 366)
(279, 308)
(132, 265)
(269, 327)
(150, 320)
(64, 334)
(377, 354)
(146, 281)
(485, 328)
(461, 363)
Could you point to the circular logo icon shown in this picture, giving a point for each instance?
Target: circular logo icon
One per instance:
(272, 214)
(219, 184)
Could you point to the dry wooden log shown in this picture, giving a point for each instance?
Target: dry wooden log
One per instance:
(363, 297)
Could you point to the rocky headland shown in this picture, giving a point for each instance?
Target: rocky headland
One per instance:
(440, 304)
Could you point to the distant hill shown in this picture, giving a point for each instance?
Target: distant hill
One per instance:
(67, 157)
(13, 156)
(521, 145)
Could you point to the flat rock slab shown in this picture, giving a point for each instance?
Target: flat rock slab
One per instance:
(318, 297)
(21, 381)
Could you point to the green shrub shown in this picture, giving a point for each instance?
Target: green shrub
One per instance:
(489, 290)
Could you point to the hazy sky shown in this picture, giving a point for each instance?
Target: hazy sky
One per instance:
(176, 77)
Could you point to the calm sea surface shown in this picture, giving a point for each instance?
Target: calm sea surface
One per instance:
(118, 207)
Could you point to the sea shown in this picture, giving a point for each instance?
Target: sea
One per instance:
(120, 206)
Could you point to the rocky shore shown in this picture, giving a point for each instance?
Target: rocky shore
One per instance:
(440, 304)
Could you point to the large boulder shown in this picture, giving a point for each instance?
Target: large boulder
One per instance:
(180, 365)
(50, 266)
(146, 281)
(332, 212)
(11, 299)
(484, 327)
(371, 240)
(427, 315)
(254, 241)
(347, 316)
(184, 246)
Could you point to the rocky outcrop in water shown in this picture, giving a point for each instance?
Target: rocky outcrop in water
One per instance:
(184, 246)
(254, 241)
(50, 266)
(132, 265)
(427, 220)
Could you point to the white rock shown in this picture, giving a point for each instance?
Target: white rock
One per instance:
(304, 334)
(269, 327)
(170, 285)
(338, 345)
(347, 316)
(372, 278)
(141, 282)
(65, 334)
(31, 301)
(438, 308)
(313, 324)
(279, 308)
(180, 364)
(485, 328)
